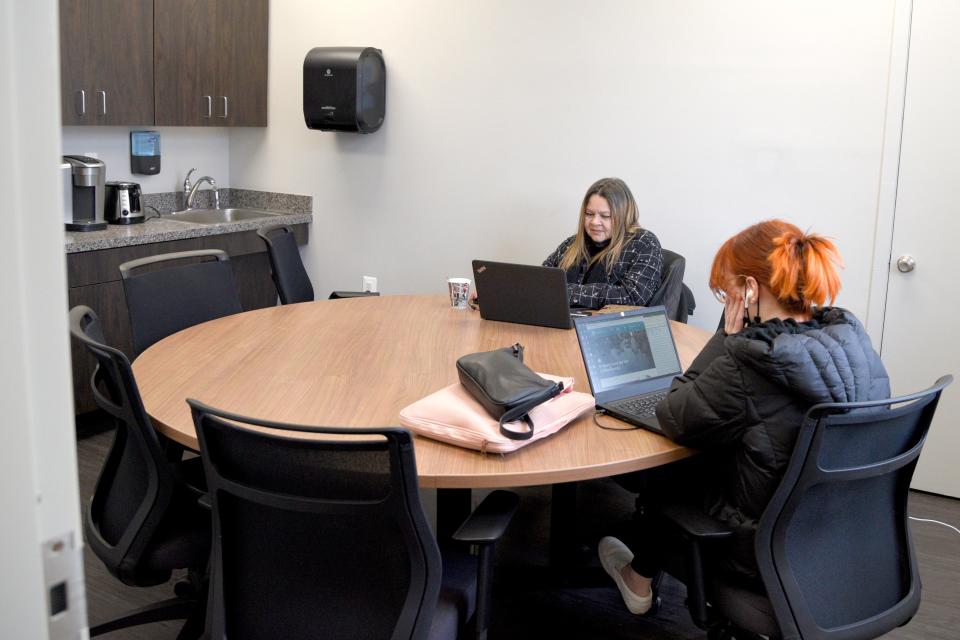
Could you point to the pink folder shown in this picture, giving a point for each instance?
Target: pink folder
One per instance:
(452, 415)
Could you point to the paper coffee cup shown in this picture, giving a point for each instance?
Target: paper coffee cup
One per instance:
(459, 292)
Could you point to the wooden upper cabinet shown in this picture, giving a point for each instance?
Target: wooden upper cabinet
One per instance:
(185, 61)
(164, 62)
(211, 62)
(106, 62)
(241, 98)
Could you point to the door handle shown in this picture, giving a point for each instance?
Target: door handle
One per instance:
(82, 104)
(103, 103)
(225, 103)
(209, 101)
(906, 263)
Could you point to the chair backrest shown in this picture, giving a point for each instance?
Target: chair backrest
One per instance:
(688, 303)
(136, 484)
(293, 283)
(162, 301)
(321, 535)
(670, 293)
(833, 545)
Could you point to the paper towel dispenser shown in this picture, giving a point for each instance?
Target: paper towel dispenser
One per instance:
(344, 89)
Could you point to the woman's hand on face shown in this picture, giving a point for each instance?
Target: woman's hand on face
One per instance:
(733, 314)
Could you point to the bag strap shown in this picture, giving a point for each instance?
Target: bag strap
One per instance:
(522, 412)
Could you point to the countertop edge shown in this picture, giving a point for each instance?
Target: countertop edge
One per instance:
(79, 242)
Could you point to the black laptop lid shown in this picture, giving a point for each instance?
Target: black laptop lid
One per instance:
(522, 293)
(628, 353)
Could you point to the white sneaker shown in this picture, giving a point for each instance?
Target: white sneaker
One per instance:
(614, 556)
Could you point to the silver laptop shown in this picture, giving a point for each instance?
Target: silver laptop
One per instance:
(631, 359)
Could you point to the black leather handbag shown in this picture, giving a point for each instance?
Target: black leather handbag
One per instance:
(506, 387)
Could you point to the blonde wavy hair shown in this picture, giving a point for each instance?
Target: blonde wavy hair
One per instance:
(623, 217)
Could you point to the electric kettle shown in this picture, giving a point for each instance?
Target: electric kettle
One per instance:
(121, 204)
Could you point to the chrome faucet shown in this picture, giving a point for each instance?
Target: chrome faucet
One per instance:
(186, 182)
(196, 185)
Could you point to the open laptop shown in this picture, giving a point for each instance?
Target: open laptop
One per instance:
(631, 359)
(522, 293)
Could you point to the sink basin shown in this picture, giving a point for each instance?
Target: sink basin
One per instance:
(216, 216)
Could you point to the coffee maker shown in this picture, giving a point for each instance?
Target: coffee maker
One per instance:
(87, 183)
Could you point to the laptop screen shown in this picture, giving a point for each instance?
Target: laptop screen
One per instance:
(629, 348)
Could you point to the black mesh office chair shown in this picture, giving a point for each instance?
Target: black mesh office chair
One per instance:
(165, 300)
(144, 520)
(327, 537)
(671, 291)
(286, 268)
(293, 283)
(833, 546)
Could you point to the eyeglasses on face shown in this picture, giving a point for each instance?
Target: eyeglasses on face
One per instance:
(721, 295)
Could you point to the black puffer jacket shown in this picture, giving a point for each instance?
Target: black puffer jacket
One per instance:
(745, 396)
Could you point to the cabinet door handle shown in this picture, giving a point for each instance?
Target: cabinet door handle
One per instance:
(225, 103)
(103, 103)
(209, 101)
(82, 104)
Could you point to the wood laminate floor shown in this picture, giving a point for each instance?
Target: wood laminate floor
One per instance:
(593, 609)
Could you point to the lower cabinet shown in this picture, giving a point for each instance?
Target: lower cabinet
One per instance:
(94, 281)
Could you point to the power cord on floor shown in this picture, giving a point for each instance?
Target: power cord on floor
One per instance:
(601, 412)
(949, 526)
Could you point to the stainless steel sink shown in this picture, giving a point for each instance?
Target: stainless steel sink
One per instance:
(216, 216)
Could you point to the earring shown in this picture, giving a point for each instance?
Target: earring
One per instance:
(756, 318)
(746, 308)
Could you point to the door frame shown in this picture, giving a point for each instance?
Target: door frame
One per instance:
(889, 170)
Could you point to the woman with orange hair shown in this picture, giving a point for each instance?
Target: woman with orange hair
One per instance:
(780, 352)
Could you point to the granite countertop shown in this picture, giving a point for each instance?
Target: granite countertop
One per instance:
(293, 209)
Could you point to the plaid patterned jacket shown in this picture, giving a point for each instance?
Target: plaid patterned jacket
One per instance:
(634, 279)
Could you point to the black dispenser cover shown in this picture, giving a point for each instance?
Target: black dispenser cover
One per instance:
(344, 89)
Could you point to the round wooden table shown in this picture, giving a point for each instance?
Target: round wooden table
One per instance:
(358, 362)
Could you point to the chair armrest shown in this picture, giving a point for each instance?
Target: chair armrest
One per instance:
(695, 523)
(489, 520)
(204, 502)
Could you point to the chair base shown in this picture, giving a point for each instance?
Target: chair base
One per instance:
(172, 609)
(190, 604)
(727, 631)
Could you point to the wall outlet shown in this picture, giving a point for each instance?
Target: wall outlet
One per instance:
(369, 284)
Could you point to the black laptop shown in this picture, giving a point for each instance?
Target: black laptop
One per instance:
(631, 359)
(522, 293)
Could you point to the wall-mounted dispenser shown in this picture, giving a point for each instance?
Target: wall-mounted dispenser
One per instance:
(344, 89)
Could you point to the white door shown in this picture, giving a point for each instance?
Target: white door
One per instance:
(41, 584)
(921, 334)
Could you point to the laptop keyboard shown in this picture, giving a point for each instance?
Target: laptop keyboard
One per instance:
(641, 406)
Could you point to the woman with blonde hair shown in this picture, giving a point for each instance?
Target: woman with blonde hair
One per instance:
(743, 399)
(611, 259)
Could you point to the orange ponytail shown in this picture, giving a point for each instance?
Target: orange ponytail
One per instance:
(799, 269)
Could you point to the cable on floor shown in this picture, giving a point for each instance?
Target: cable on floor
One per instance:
(949, 526)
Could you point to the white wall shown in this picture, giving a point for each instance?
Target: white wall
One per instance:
(500, 114)
(39, 494)
(206, 148)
